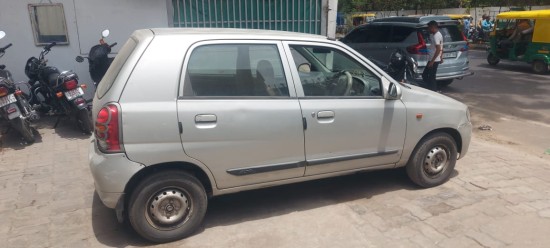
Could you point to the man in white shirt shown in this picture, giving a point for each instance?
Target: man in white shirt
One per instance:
(434, 55)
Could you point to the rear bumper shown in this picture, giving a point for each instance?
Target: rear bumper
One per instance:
(111, 173)
(451, 75)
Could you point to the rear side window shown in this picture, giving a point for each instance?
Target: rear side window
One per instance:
(370, 34)
(399, 33)
(449, 33)
(115, 67)
(235, 70)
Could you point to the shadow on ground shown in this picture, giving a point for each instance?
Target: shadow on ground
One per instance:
(241, 207)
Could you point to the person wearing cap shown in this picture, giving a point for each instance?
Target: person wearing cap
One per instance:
(435, 53)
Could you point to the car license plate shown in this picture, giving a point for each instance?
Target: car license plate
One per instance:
(449, 55)
(7, 100)
(72, 94)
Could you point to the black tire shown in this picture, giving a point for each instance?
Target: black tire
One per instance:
(167, 190)
(84, 121)
(433, 160)
(540, 67)
(492, 59)
(25, 129)
(444, 83)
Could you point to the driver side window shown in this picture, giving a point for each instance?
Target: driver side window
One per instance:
(325, 71)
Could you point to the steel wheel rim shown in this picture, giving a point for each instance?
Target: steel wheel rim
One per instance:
(435, 161)
(168, 208)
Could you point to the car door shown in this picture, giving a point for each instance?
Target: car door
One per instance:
(350, 125)
(237, 115)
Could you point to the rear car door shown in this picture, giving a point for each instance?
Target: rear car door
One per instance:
(237, 114)
(350, 125)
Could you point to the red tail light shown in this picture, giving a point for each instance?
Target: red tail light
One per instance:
(71, 84)
(419, 48)
(3, 91)
(107, 130)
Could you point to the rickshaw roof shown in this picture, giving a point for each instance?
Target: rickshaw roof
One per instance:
(458, 16)
(532, 14)
(363, 15)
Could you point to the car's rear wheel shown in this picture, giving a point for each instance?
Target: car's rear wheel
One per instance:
(540, 67)
(167, 206)
(492, 59)
(444, 83)
(433, 160)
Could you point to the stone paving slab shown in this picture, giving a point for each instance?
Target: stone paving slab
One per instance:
(497, 197)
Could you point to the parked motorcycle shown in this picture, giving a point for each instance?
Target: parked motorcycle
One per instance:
(98, 58)
(57, 93)
(401, 67)
(14, 105)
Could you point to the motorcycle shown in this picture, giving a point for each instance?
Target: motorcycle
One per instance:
(402, 68)
(98, 59)
(57, 93)
(14, 106)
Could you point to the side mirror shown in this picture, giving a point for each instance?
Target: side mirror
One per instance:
(305, 67)
(2, 34)
(79, 59)
(105, 33)
(394, 92)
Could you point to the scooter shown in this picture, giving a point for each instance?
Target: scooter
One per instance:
(14, 105)
(98, 58)
(57, 93)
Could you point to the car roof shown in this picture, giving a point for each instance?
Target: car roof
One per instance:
(414, 21)
(233, 33)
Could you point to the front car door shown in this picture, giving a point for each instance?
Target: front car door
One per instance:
(237, 114)
(350, 125)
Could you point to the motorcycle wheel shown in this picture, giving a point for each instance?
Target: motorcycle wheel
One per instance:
(24, 128)
(84, 121)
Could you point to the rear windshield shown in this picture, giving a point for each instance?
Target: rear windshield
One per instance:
(115, 67)
(449, 33)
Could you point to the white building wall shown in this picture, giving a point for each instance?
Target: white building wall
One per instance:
(85, 21)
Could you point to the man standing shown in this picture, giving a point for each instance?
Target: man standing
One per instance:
(466, 27)
(434, 55)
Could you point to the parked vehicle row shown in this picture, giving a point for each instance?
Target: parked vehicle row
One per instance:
(48, 90)
(14, 103)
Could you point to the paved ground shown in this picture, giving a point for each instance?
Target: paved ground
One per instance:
(497, 197)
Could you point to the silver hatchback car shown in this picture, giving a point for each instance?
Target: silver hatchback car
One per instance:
(380, 38)
(187, 114)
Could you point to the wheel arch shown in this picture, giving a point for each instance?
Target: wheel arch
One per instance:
(181, 166)
(450, 131)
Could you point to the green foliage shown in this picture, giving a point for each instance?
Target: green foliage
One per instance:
(348, 6)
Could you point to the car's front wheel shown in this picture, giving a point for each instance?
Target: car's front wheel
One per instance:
(433, 160)
(167, 206)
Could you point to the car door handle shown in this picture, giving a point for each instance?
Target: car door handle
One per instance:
(326, 114)
(206, 121)
(205, 118)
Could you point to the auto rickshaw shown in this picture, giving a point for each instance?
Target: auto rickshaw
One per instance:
(358, 19)
(522, 36)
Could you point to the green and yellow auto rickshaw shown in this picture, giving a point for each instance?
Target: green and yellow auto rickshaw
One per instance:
(522, 36)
